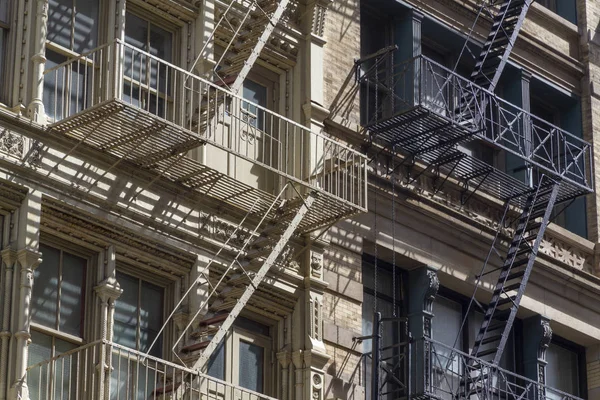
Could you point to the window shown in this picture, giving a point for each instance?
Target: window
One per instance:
(565, 8)
(379, 296)
(449, 313)
(244, 356)
(57, 314)
(146, 79)
(4, 25)
(256, 94)
(58, 291)
(551, 106)
(138, 314)
(73, 25)
(137, 319)
(44, 347)
(72, 30)
(566, 361)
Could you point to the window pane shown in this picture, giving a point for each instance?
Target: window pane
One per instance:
(4, 11)
(160, 43)
(126, 315)
(256, 94)
(446, 322)
(150, 317)
(40, 349)
(65, 368)
(54, 86)
(251, 366)
(45, 288)
(86, 25)
(445, 327)
(60, 13)
(385, 282)
(216, 362)
(136, 31)
(71, 294)
(562, 369)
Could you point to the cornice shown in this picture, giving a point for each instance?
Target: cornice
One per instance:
(90, 229)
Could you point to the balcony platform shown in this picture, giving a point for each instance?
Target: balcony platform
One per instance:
(423, 110)
(146, 141)
(426, 136)
(132, 105)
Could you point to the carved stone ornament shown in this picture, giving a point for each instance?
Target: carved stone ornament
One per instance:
(316, 319)
(431, 291)
(318, 17)
(11, 143)
(316, 265)
(34, 155)
(481, 212)
(545, 340)
(568, 254)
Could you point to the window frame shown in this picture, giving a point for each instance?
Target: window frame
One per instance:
(581, 363)
(144, 88)
(466, 340)
(133, 274)
(401, 303)
(87, 306)
(231, 348)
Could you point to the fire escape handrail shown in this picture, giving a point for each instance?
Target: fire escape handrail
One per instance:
(422, 82)
(492, 371)
(195, 111)
(114, 350)
(83, 57)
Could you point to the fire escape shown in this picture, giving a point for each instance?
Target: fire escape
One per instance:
(147, 114)
(424, 112)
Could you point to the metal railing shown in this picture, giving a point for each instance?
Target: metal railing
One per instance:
(391, 89)
(127, 374)
(120, 72)
(451, 374)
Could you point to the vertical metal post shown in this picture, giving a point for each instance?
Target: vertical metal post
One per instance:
(376, 356)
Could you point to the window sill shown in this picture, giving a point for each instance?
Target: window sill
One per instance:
(57, 334)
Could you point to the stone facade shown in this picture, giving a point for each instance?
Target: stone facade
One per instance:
(128, 220)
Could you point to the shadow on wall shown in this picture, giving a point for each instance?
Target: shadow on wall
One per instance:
(349, 387)
(347, 12)
(345, 103)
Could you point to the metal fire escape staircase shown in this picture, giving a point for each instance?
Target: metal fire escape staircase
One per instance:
(242, 29)
(137, 111)
(514, 273)
(423, 111)
(507, 22)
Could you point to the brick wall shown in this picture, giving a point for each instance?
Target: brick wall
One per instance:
(343, 46)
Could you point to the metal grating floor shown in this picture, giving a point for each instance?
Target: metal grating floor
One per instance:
(154, 144)
(429, 137)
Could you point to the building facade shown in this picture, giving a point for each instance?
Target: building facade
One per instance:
(247, 200)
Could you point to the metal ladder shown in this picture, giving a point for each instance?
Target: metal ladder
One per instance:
(506, 25)
(239, 31)
(256, 249)
(501, 311)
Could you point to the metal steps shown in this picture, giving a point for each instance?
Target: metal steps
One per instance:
(514, 274)
(243, 29)
(496, 50)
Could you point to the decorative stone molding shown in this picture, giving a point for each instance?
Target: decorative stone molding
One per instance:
(557, 244)
(319, 13)
(573, 255)
(91, 230)
(316, 318)
(316, 265)
(535, 347)
(35, 154)
(11, 143)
